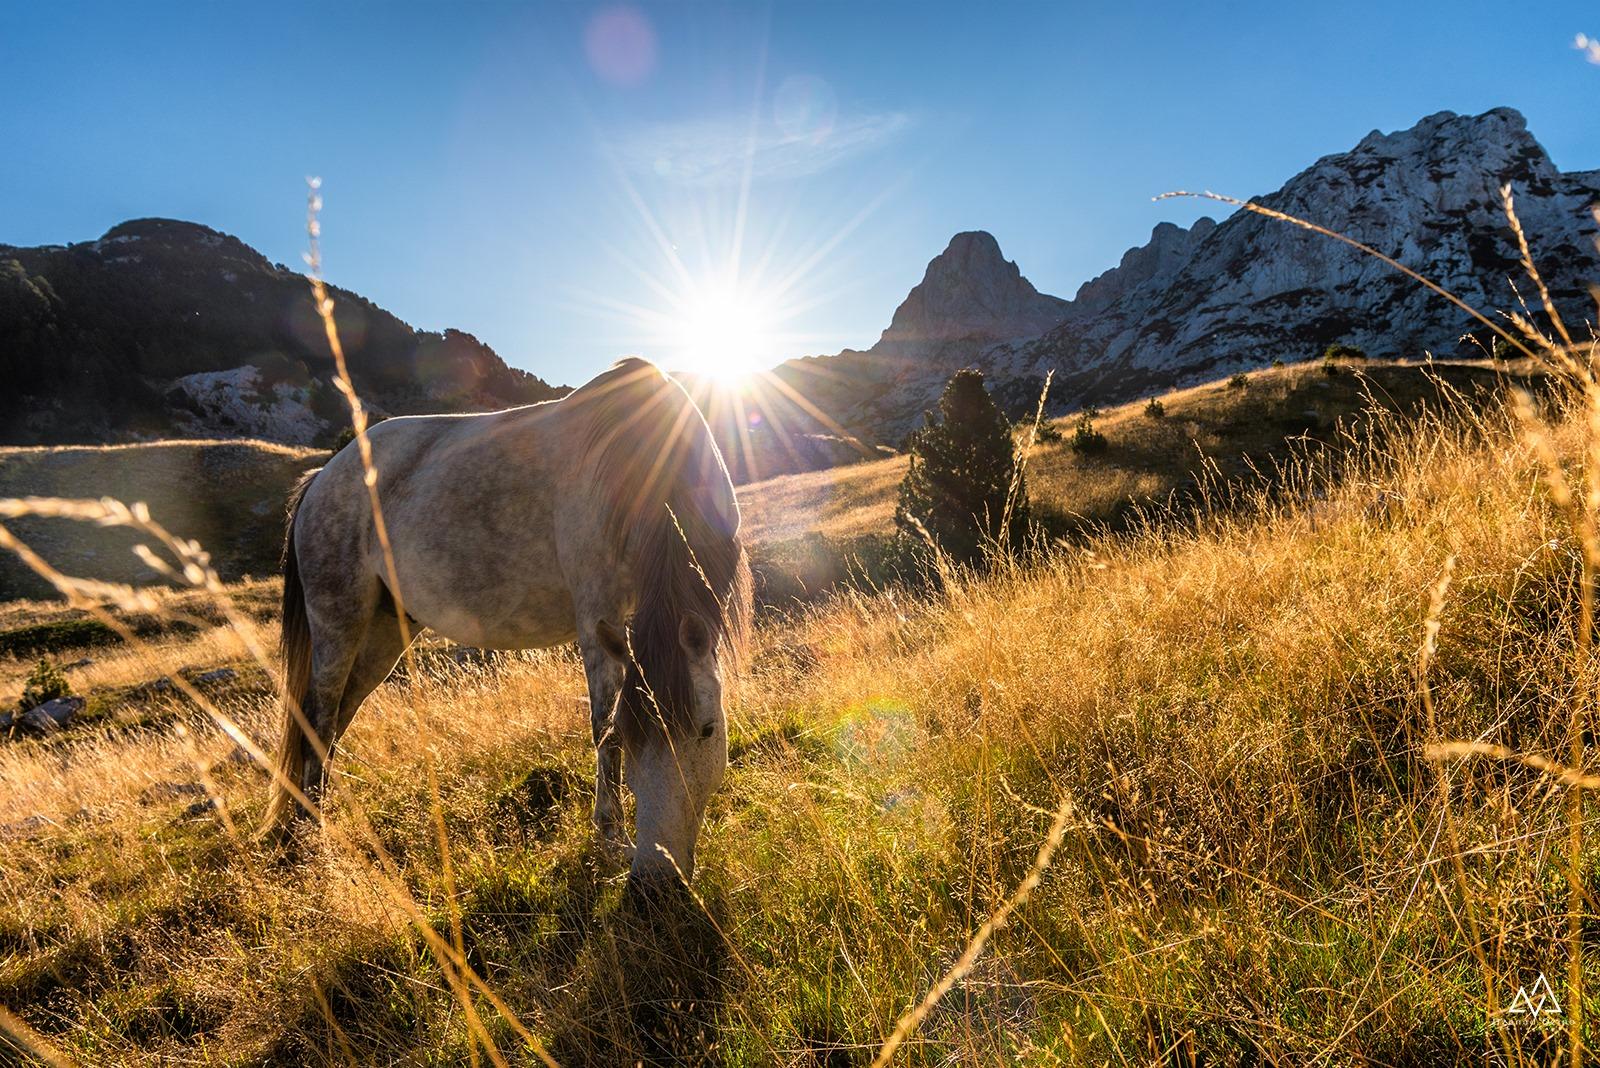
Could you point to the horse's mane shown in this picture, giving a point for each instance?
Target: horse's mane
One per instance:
(670, 509)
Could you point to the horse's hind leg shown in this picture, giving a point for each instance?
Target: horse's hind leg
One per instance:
(339, 629)
(379, 653)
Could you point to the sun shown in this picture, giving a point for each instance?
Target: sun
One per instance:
(724, 331)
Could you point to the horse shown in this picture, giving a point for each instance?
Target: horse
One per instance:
(607, 516)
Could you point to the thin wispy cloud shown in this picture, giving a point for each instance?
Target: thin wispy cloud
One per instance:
(720, 151)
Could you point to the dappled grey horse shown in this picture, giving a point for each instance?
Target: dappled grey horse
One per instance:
(607, 516)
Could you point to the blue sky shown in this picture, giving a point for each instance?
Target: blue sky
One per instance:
(572, 182)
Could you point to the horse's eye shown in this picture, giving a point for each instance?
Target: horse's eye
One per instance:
(708, 730)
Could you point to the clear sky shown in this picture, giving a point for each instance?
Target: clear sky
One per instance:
(572, 182)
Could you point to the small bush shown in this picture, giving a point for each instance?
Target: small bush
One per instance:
(45, 683)
(1341, 351)
(1239, 381)
(348, 434)
(1048, 434)
(1085, 438)
(1277, 361)
(1155, 409)
(1502, 350)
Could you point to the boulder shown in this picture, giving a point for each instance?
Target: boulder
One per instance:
(51, 716)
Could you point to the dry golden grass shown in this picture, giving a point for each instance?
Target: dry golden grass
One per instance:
(1285, 776)
(804, 529)
(812, 532)
(1252, 869)
(228, 495)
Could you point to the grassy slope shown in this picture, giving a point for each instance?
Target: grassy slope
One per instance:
(1256, 867)
(227, 495)
(806, 528)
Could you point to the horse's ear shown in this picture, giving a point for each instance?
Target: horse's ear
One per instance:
(694, 635)
(612, 640)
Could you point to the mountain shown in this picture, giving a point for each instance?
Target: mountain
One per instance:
(970, 292)
(970, 299)
(1215, 298)
(165, 329)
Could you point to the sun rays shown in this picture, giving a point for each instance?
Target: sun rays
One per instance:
(725, 331)
(720, 276)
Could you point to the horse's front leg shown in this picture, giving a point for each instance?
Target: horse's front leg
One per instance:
(605, 682)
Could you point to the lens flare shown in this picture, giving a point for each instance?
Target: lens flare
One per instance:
(725, 332)
(621, 45)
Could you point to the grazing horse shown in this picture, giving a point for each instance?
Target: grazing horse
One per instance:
(607, 516)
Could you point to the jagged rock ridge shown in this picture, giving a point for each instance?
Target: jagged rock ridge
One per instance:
(1215, 298)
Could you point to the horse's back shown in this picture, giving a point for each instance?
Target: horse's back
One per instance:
(502, 523)
(468, 503)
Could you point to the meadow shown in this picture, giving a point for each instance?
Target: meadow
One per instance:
(1175, 790)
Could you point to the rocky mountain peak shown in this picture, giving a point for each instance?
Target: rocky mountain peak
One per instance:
(970, 290)
(1155, 262)
(170, 229)
(1203, 302)
(1446, 162)
(1497, 126)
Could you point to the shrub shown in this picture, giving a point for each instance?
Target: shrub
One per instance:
(1085, 438)
(1155, 409)
(1277, 361)
(348, 434)
(45, 683)
(1239, 381)
(963, 467)
(1340, 351)
(1502, 349)
(1048, 433)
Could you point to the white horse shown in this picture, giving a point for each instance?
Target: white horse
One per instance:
(607, 516)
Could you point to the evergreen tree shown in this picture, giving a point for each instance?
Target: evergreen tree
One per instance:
(962, 468)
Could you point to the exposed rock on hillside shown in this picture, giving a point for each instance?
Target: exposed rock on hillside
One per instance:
(163, 328)
(1217, 298)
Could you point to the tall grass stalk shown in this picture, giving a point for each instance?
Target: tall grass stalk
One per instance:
(1576, 364)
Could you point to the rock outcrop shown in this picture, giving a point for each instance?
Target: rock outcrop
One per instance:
(971, 292)
(163, 328)
(1215, 298)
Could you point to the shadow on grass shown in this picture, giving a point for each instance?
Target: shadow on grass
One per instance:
(654, 987)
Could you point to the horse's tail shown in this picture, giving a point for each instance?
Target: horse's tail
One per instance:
(295, 651)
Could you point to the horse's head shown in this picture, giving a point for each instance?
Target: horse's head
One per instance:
(674, 731)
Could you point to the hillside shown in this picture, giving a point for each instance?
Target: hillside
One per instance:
(1258, 862)
(227, 495)
(806, 530)
(170, 329)
(810, 531)
(1200, 303)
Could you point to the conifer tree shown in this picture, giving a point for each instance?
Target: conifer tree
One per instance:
(963, 465)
